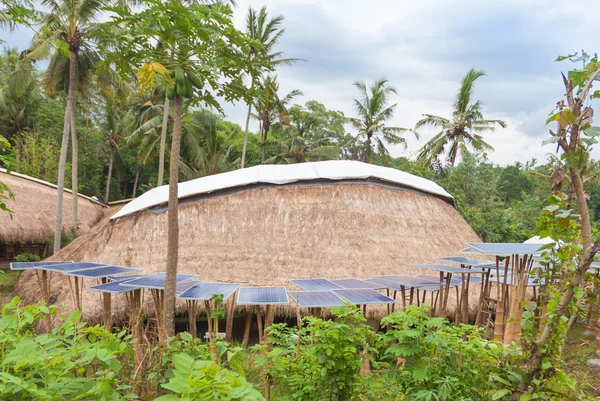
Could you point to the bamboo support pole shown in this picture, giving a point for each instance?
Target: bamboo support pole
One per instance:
(230, 314)
(106, 307)
(501, 292)
(259, 324)
(208, 320)
(247, 325)
(192, 314)
(157, 297)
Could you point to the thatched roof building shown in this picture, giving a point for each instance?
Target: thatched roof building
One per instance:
(34, 209)
(268, 224)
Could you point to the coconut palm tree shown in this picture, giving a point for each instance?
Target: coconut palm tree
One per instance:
(71, 24)
(462, 131)
(373, 112)
(271, 108)
(266, 31)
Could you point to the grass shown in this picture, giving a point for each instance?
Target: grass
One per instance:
(578, 349)
(8, 279)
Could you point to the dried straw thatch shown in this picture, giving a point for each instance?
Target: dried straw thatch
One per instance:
(34, 210)
(269, 234)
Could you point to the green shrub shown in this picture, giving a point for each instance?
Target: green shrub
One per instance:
(27, 257)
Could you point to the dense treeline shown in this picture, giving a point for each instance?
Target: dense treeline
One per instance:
(501, 203)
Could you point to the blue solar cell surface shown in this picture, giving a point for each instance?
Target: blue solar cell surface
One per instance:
(122, 279)
(262, 296)
(316, 284)
(112, 288)
(449, 269)
(69, 267)
(203, 291)
(454, 282)
(351, 283)
(409, 281)
(364, 296)
(392, 285)
(316, 299)
(34, 265)
(157, 281)
(105, 271)
(461, 260)
(181, 287)
(504, 249)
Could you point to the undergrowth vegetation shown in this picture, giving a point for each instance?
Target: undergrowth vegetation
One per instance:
(412, 357)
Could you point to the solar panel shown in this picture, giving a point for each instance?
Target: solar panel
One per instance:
(449, 269)
(316, 284)
(505, 249)
(104, 271)
(454, 281)
(122, 279)
(392, 285)
(316, 299)
(351, 283)
(33, 265)
(461, 260)
(69, 267)
(112, 288)
(262, 296)
(595, 266)
(181, 287)
(203, 291)
(364, 296)
(157, 281)
(410, 281)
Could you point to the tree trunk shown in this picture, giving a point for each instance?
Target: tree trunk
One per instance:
(163, 140)
(111, 161)
(74, 168)
(246, 130)
(173, 222)
(368, 149)
(63, 151)
(135, 182)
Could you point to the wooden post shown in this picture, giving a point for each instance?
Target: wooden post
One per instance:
(208, 319)
(393, 305)
(501, 292)
(136, 325)
(106, 307)
(464, 299)
(192, 314)
(259, 324)
(157, 297)
(412, 293)
(446, 293)
(247, 326)
(230, 313)
(403, 295)
(317, 312)
(43, 281)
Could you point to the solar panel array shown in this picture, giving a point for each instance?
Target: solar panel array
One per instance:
(104, 271)
(504, 249)
(449, 269)
(316, 284)
(262, 296)
(364, 296)
(34, 265)
(69, 267)
(112, 288)
(157, 281)
(316, 299)
(350, 283)
(203, 291)
(461, 260)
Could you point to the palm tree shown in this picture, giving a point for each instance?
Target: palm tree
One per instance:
(204, 151)
(462, 131)
(271, 108)
(70, 23)
(373, 112)
(19, 95)
(267, 31)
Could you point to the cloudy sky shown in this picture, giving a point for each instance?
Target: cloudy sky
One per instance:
(424, 48)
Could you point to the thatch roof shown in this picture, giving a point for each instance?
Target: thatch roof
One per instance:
(269, 234)
(34, 210)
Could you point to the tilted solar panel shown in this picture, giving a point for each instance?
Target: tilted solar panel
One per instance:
(276, 295)
(364, 296)
(34, 265)
(112, 288)
(181, 287)
(392, 285)
(449, 269)
(104, 271)
(410, 281)
(461, 260)
(69, 267)
(203, 291)
(350, 283)
(122, 279)
(455, 280)
(316, 284)
(316, 299)
(505, 249)
(157, 281)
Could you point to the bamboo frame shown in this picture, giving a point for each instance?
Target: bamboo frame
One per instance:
(192, 307)
(44, 283)
(106, 307)
(247, 326)
(158, 296)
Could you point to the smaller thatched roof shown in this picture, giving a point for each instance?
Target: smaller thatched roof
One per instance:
(34, 210)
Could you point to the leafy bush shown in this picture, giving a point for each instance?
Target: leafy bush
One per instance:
(74, 362)
(27, 257)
